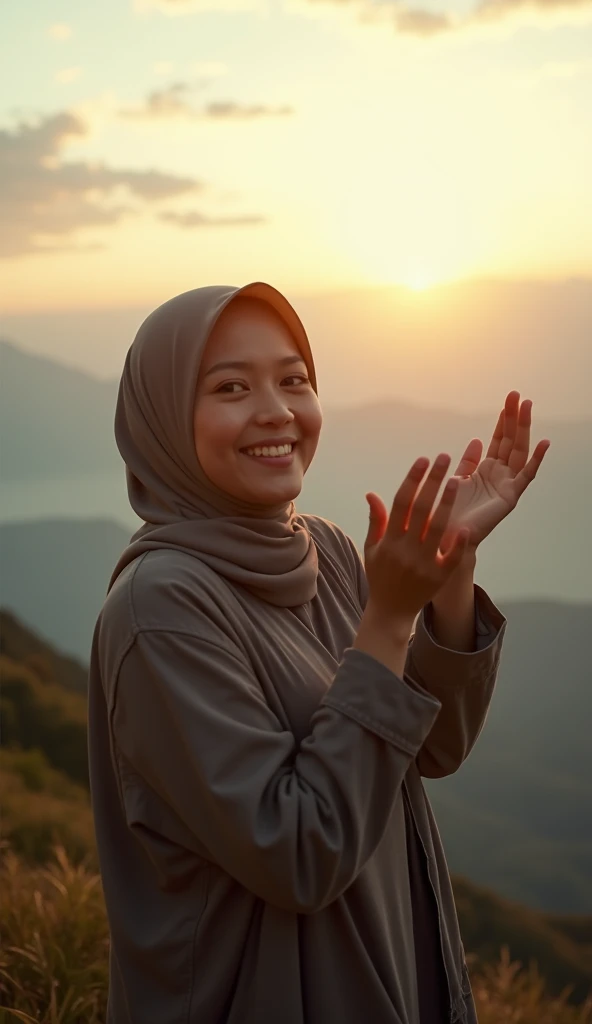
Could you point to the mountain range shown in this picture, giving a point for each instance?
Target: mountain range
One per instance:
(59, 460)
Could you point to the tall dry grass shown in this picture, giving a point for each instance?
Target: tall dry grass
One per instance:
(54, 955)
(55, 942)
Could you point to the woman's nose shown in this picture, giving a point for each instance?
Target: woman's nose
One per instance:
(274, 406)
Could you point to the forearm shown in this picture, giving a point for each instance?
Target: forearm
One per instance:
(453, 608)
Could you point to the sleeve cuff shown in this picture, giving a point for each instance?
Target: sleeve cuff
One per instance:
(434, 666)
(368, 692)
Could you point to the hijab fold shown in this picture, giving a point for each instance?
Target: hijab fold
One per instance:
(266, 549)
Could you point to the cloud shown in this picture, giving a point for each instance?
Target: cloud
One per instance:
(60, 31)
(424, 23)
(67, 75)
(45, 201)
(196, 219)
(164, 103)
(239, 112)
(173, 102)
(501, 8)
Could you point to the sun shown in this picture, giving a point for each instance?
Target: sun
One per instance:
(418, 282)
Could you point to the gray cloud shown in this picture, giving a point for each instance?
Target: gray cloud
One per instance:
(239, 112)
(419, 21)
(501, 8)
(195, 219)
(174, 101)
(169, 102)
(45, 201)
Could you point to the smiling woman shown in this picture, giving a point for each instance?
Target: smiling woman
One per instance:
(260, 716)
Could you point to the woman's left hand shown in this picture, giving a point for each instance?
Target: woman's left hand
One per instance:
(488, 490)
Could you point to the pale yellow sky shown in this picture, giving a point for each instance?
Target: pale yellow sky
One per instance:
(315, 145)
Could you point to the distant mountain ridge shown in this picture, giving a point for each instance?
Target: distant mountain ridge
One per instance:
(54, 420)
(59, 459)
(55, 575)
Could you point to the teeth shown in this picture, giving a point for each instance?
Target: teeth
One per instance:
(283, 449)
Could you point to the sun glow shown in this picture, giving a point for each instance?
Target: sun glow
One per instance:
(418, 282)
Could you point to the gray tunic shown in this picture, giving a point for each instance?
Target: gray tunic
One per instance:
(249, 778)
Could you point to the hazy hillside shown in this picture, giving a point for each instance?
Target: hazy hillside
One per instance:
(55, 575)
(527, 785)
(19, 643)
(59, 459)
(44, 801)
(54, 421)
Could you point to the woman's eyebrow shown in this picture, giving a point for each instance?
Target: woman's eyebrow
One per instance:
(243, 364)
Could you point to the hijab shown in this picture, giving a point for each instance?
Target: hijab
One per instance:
(266, 549)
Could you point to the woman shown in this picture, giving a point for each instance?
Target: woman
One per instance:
(260, 716)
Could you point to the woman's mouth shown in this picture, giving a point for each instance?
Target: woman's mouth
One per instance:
(279, 461)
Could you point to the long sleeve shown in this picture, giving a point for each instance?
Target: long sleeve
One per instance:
(463, 681)
(196, 745)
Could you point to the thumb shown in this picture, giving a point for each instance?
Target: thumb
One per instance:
(378, 517)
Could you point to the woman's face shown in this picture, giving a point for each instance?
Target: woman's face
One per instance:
(239, 407)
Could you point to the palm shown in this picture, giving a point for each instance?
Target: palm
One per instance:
(489, 489)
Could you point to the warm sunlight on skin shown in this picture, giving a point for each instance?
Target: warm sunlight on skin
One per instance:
(236, 407)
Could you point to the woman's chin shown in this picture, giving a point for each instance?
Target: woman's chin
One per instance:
(273, 493)
(277, 496)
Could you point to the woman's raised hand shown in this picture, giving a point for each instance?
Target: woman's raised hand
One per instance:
(404, 567)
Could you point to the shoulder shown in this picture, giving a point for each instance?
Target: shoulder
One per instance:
(165, 589)
(165, 607)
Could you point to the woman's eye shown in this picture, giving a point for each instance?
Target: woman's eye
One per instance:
(230, 383)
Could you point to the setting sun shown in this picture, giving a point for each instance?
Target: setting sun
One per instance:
(418, 282)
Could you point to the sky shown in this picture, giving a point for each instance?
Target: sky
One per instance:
(150, 146)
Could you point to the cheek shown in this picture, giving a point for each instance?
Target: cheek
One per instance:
(312, 419)
(216, 431)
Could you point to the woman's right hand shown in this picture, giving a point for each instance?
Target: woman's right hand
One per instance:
(404, 567)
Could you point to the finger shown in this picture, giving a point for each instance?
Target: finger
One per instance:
(471, 458)
(510, 425)
(527, 475)
(496, 438)
(423, 504)
(439, 521)
(404, 496)
(519, 455)
(377, 521)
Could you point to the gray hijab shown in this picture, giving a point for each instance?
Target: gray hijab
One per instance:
(266, 549)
